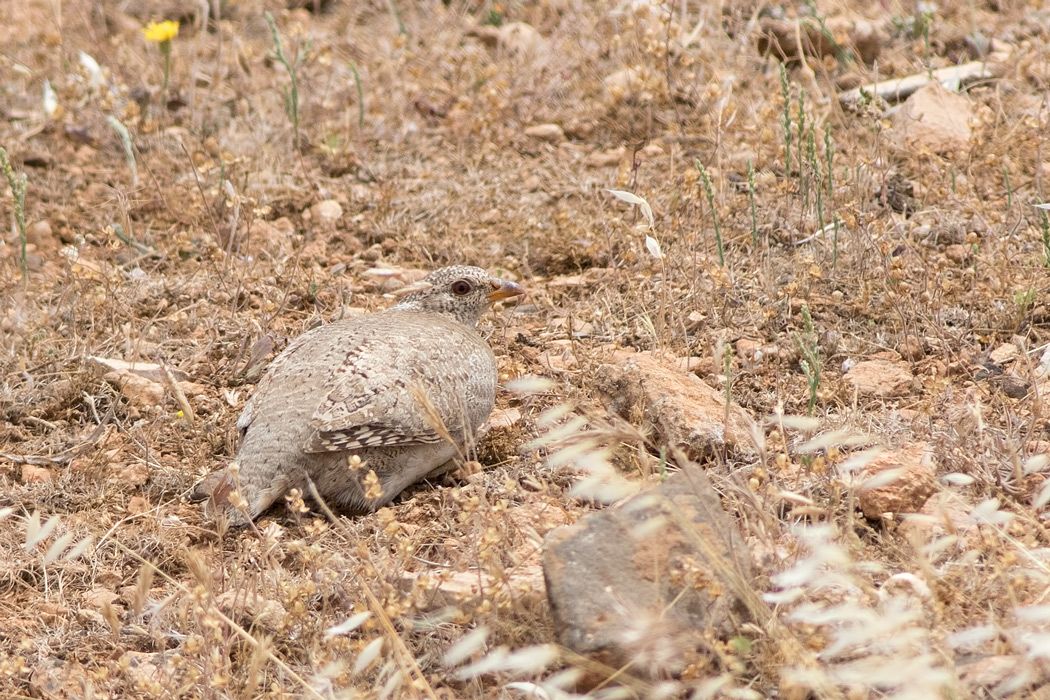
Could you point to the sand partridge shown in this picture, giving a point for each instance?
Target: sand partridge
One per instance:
(366, 406)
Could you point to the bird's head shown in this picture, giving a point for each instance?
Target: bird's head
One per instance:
(461, 292)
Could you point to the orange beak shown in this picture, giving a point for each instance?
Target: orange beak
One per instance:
(504, 289)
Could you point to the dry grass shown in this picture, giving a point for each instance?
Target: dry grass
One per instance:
(109, 569)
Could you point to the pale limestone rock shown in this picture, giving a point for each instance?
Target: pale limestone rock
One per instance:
(935, 119)
(881, 378)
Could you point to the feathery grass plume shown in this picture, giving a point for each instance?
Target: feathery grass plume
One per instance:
(37, 532)
(465, 646)
(143, 583)
(96, 79)
(529, 660)
(17, 181)
(368, 655)
(62, 547)
(49, 100)
(349, 625)
(574, 442)
(653, 246)
(878, 644)
(642, 204)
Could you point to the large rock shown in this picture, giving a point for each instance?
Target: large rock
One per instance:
(149, 673)
(945, 514)
(910, 480)
(645, 582)
(935, 119)
(788, 39)
(688, 414)
(439, 589)
(57, 679)
(881, 378)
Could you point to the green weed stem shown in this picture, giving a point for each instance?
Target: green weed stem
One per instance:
(291, 91)
(706, 180)
(785, 94)
(18, 184)
(751, 196)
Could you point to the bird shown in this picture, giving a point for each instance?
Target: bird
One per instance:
(364, 407)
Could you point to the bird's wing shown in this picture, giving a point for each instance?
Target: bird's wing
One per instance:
(384, 404)
(264, 385)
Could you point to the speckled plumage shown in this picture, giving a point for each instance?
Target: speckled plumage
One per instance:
(354, 387)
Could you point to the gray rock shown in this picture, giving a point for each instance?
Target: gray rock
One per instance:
(647, 581)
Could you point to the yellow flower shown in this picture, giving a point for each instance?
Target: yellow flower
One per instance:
(160, 32)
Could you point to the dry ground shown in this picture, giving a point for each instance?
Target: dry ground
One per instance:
(212, 251)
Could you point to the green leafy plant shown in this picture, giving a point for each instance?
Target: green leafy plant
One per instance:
(1044, 225)
(291, 90)
(705, 179)
(17, 181)
(785, 119)
(924, 21)
(809, 349)
(835, 241)
(1009, 191)
(397, 16)
(727, 370)
(360, 96)
(843, 55)
(1024, 298)
(751, 198)
(801, 126)
(829, 155)
(814, 172)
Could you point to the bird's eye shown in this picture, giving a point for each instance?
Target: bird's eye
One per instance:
(461, 287)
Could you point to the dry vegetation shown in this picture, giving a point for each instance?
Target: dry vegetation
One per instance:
(206, 239)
